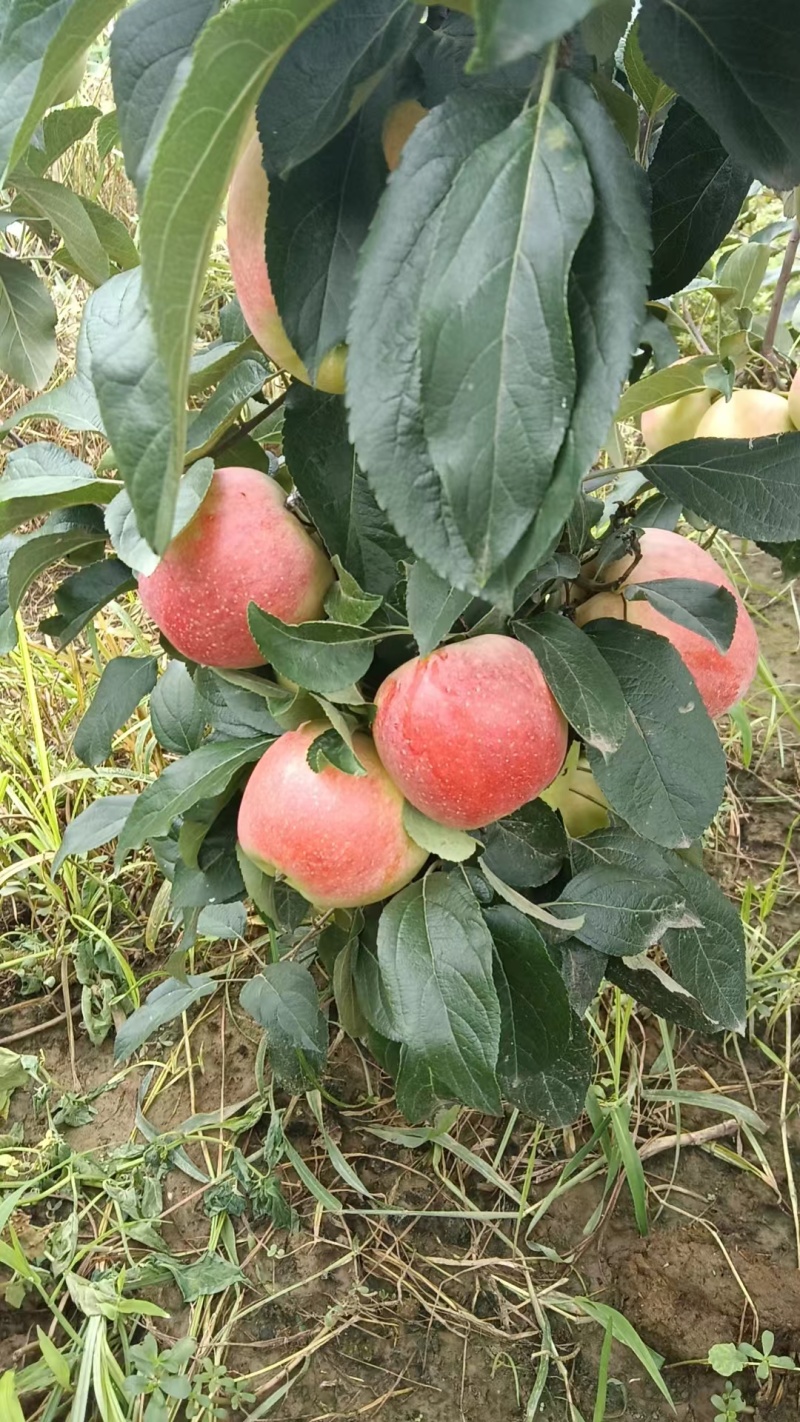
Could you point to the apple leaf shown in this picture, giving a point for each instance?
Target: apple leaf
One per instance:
(746, 486)
(283, 1000)
(704, 608)
(123, 684)
(581, 681)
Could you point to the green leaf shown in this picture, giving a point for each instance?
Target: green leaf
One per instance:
(324, 77)
(39, 477)
(39, 550)
(54, 1358)
(582, 971)
(123, 530)
(236, 387)
(60, 130)
(345, 968)
(506, 30)
(199, 776)
(664, 386)
(207, 1276)
(283, 1000)
(710, 960)
(150, 46)
(231, 62)
(604, 27)
(384, 378)
(93, 827)
(623, 914)
(320, 656)
(645, 981)
(668, 777)
(743, 270)
(347, 602)
(703, 608)
(545, 1063)
(115, 239)
(318, 218)
(432, 606)
(131, 387)
(123, 684)
(788, 555)
(618, 848)
(73, 404)
(747, 486)
(335, 491)
(28, 350)
(527, 848)
(435, 963)
(607, 290)
(236, 708)
(698, 191)
(163, 1005)
(583, 684)
(330, 748)
(450, 844)
(80, 597)
(64, 211)
(176, 712)
(40, 44)
(737, 66)
(494, 323)
(653, 94)
(726, 1359)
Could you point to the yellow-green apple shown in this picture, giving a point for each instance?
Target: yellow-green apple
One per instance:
(794, 400)
(677, 421)
(242, 546)
(721, 677)
(577, 796)
(470, 732)
(747, 415)
(336, 838)
(248, 203)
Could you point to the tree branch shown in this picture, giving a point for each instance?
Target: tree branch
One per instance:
(780, 292)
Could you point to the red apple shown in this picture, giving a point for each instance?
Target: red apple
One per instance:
(721, 677)
(794, 400)
(748, 414)
(398, 127)
(248, 201)
(336, 838)
(470, 732)
(242, 546)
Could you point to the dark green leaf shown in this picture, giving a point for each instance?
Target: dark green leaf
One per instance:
(283, 1000)
(39, 477)
(737, 64)
(123, 529)
(123, 684)
(325, 76)
(215, 876)
(698, 191)
(64, 211)
(115, 239)
(320, 656)
(623, 913)
(384, 385)
(318, 219)
(345, 968)
(668, 777)
(236, 387)
(607, 291)
(209, 1275)
(604, 27)
(526, 849)
(347, 602)
(150, 45)
(210, 363)
(30, 555)
(163, 1005)
(507, 30)
(334, 489)
(710, 960)
(788, 554)
(40, 44)
(227, 921)
(231, 708)
(653, 94)
(545, 1063)
(432, 606)
(583, 684)
(704, 608)
(450, 844)
(81, 596)
(202, 774)
(435, 964)
(747, 486)
(93, 827)
(177, 715)
(131, 386)
(235, 54)
(645, 981)
(493, 324)
(60, 130)
(330, 749)
(28, 350)
(440, 56)
(582, 970)
(278, 905)
(618, 848)
(107, 134)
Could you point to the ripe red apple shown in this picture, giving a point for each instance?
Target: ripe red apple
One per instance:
(248, 201)
(336, 838)
(398, 127)
(721, 677)
(794, 400)
(242, 546)
(470, 732)
(677, 421)
(747, 415)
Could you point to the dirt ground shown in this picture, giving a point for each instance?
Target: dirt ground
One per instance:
(431, 1319)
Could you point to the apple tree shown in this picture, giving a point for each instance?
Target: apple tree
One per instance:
(470, 225)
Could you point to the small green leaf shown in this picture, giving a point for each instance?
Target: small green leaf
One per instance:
(82, 596)
(64, 211)
(123, 684)
(347, 602)
(164, 1004)
(507, 30)
(100, 822)
(54, 1358)
(320, 656)
(205, 1277)
(432, 606)
(664, 386)
(28, 350)
(284, 1001)
(703, 608)
(236, 387)
(123, 529)
(624, 914)
(176, 712)
(39, 477)
(453, 845)
(330, 748)
(527, 848)
(726, 1359)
